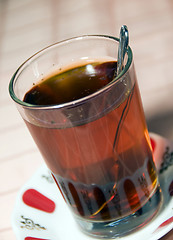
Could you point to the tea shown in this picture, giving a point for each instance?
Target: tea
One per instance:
(103, 166)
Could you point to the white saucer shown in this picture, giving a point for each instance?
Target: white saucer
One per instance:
(55, 222)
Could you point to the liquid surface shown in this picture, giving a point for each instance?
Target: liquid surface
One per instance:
(72, 84)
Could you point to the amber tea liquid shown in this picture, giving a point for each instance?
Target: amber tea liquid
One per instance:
(104, 166)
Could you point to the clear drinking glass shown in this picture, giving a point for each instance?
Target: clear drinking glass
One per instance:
(96, 147)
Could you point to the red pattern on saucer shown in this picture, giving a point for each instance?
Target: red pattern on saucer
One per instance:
(153, 143)
(35, 199)
(165, 223)
(31, 238)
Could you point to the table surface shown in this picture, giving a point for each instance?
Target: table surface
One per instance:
(27, 26)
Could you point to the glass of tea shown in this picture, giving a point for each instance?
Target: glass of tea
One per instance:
(89, 125)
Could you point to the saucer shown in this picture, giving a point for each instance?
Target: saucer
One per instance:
(40, 212)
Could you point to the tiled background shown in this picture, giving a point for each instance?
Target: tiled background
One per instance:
(29, 25)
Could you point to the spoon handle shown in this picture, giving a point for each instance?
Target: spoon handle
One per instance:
(123, 46)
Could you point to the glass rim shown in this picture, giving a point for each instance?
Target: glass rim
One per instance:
(74, 102)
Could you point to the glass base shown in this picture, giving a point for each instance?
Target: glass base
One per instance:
(123, 226)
